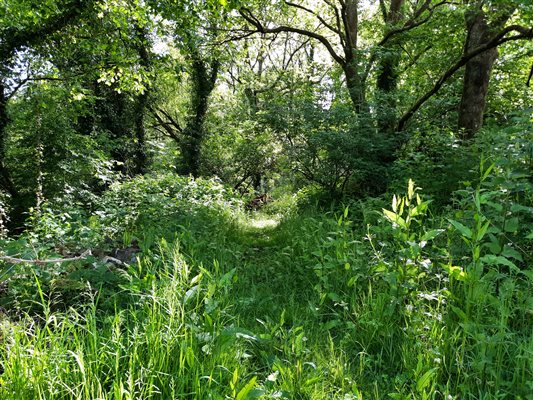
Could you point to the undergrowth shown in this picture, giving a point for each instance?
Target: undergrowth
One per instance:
(382, 298)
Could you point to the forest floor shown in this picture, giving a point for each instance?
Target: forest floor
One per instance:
(250, 306)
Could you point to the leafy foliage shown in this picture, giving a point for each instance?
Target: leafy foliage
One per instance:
(391, 257)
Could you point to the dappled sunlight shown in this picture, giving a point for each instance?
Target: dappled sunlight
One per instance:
(263, 223)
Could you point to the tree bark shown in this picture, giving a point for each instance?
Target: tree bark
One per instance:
(355, 86)
(354, 81)
(477, 74)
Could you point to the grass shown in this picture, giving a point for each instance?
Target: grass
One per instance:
(310, 307)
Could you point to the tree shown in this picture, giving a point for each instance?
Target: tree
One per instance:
(15, 36)
(194, 34)
(499, 38)
(204, 73)
(340, 23)
(387, 76)
(478, 69)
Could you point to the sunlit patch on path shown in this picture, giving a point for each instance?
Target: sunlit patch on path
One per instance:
(263, 223)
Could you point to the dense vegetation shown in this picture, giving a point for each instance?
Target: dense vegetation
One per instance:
(279, 199)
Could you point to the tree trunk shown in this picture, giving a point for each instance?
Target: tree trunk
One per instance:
(113, 116)
(387, 79)
(140, 160)
(203, 83)
(19, 203)
(355, 86)
(5, 179)
(354, 82)
(477, 74)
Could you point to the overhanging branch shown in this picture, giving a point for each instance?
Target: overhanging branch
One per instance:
(497, 40)
(249, 17)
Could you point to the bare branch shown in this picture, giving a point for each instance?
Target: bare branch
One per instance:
(170, 127)
(342, 36)
(248, 16)
(235, 38)
(15, 260)
(322, 20)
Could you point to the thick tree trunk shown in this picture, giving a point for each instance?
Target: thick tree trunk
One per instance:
(203, 83)
(114, 117)
(387, 79)
(140, 161)
(354, 82)
(355, 87)
(477, 75)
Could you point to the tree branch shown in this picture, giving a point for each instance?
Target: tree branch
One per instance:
(412, 22)
(249, 17)
(170, 126)
(497, 40)
(14, 38)
(22, 82)
(337, 21)
(312, 12)
(14, 260)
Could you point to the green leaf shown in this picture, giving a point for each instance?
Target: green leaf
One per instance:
(393, 217)
(334, 297)
(491, 259)
(487, 172)
(312, 381)
(498, 207)
(455, 272)
(432, 234)
(483, 230)
(511, 225)
(510, 252)
(332, 324)
(466, 232)
(256, 393)
(528, 273)
(234, 379)
(243, 393)
(494, 247)
(425, 379)
(460, 313)
(413, 212)
(519, 207)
